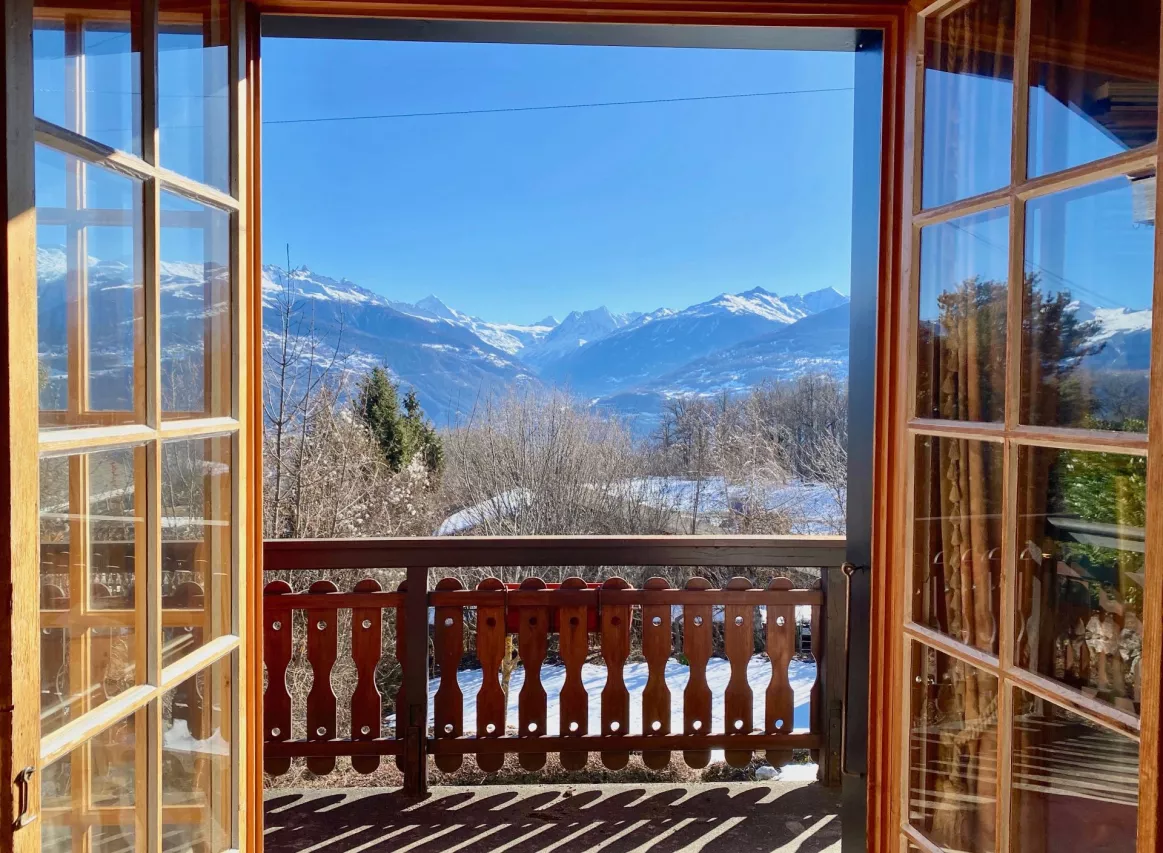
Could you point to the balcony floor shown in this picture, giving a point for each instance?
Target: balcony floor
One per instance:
(661, 818)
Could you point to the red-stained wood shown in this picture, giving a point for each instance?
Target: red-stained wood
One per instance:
(656, 648)
(615, 632)
(696, 646)
(739, 643)
(366, 649)
(322, 650)
(490, 699)
(574, 645)
(543, 745)
(779, 708)
(532, 643)
(276, 712)
(401, 660)
(448, 705)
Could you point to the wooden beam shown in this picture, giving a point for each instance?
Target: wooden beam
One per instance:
(462, 551)
(19, 497)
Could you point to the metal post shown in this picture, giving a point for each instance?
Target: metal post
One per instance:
(867, 96)
(416, 685)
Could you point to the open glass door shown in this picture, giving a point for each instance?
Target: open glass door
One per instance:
(141, 331)
(1029, 607)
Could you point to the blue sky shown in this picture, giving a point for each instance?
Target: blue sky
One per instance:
(515, 215)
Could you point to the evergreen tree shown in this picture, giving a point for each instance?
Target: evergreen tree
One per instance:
(401, 435)
(378, 405)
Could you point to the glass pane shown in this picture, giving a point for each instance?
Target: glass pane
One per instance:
(93, 790)
(952, 752)
(1086, 347)
(196, 336)
(193, 90)
(90, 294)
(196, 552)
(961, 344)
(197, 742)
(957, 538)
(1081, 570)
(87, 73)
(968, 100)
(89, 608)
(1075, 784)
(1094, 81)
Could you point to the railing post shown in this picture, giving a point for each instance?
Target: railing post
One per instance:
(833, 673)
(416, 685)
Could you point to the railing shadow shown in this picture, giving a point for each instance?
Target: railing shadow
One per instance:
(616, 818)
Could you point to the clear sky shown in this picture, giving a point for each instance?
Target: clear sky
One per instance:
(518, 214)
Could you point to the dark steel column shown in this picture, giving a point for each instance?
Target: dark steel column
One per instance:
(866, 166)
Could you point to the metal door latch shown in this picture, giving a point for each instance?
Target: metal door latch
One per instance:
(24, 798)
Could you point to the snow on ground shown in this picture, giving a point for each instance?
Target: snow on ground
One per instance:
(814, 503)
(801, 674)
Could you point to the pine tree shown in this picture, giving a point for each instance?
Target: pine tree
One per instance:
(401, 435)
(378, 405)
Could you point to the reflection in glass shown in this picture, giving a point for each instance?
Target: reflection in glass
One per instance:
(1075, 783)
(96, 810)
(957, 507)
(968, 110)
(196, 547)
(1081, 570)
(1101, 95)
(962, 330)
(1086, 347)
(88, 600)
(90, 294)
(196, 337)
(193, 90)
(197, 741)
(952, 752)
(104, 55)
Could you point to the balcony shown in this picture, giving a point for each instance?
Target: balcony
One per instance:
(386, 691)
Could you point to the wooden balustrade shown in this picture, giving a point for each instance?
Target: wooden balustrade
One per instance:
(669, 621)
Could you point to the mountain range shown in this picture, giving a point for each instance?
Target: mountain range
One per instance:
(629, 363)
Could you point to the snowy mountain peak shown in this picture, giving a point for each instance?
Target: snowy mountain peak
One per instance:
(824, 299)
(434, 306)
(1112, 321)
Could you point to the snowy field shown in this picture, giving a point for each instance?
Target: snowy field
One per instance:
(801, 674)
(813, 504)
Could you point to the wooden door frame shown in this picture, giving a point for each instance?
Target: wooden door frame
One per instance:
(19, 500)
(18, 470)
(20, 736)
(868, 780)
(894, 413)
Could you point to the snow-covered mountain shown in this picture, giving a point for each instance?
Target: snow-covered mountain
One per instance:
(649, 349)
(576, 330)
(816, 344)
(449, 364)
(512, 338)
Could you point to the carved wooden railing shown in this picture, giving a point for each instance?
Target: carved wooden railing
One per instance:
(531, 611)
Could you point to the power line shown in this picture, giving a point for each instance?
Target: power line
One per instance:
(559, 106)
(1095, 295)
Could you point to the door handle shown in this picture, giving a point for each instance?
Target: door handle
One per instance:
(24, 798)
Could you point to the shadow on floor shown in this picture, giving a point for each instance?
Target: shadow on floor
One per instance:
(661, 818)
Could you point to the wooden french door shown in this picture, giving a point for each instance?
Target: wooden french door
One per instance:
(135, 392)
(1026, 568)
